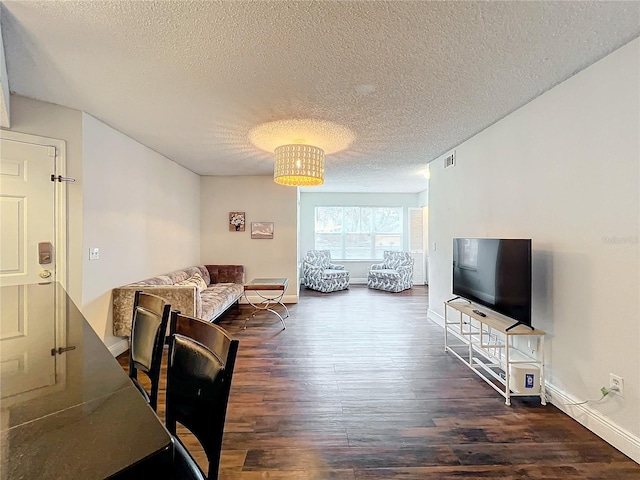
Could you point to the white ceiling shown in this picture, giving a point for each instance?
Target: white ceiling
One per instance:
(404, 81)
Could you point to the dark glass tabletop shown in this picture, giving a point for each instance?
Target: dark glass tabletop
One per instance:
(68, 410)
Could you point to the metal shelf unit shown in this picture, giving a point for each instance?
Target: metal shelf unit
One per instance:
(486, 346)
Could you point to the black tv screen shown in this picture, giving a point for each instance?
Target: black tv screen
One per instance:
(495, 273)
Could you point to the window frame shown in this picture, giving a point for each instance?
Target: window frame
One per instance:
(373, 233)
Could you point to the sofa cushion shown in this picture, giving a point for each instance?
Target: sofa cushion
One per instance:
(216, 298)
(384, 272)
(204, 272)
(329, 273)
(196, 280)
(182, 275)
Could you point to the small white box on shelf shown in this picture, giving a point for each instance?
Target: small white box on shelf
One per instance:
(524, 378)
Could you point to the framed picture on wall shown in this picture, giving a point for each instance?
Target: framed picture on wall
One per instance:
(236, 221)
(262, 230)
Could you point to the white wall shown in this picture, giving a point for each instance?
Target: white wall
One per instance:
(5, 96)
(563, 170)
(423, 201)
(49, 120)
(262, 200)
(425, 242)
(423, 198)
(309, 200)
(141, 210)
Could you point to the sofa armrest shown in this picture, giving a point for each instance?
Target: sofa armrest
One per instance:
(185, 298)
(405, 271)
(313, 271)
(378, 266)
(404, 268)
(226, 273)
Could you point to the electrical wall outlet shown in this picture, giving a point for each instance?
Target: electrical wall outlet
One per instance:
(94, 253)
(617, 383)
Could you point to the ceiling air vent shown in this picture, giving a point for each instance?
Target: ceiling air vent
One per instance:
(450, 160)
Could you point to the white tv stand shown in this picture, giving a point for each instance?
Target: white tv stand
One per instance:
(486, 346)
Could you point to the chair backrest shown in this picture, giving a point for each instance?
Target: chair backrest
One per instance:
(202, 357)
(318, 257)
(148, 326)
(394, 259)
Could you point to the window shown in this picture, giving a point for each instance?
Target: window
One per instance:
(358, 233)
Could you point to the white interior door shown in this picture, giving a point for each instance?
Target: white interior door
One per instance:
(32, 224)
(416, 247)
(27, 335)
(27, 213)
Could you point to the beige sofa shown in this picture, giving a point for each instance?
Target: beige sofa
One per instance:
(222, 287)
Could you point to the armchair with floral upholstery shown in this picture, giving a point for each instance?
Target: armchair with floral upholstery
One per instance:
(318, 273)
(394, 274)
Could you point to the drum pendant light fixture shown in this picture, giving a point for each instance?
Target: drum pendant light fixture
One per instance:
(299, 165)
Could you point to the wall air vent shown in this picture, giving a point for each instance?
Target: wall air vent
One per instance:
(450, 160)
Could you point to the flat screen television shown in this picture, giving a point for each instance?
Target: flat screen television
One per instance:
(495, 273)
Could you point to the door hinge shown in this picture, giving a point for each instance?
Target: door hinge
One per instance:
(60, 178)
(60, 350)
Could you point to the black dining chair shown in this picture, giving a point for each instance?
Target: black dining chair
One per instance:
(202, 357)
(148, 329)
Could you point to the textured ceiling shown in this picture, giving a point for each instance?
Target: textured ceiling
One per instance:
(407, 81)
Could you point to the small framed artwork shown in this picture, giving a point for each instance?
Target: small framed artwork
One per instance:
(236, 221)
(261, 229)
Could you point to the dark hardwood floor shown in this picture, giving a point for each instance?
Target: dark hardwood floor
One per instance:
(358, 387)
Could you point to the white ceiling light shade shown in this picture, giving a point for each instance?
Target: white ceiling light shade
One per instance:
(299, 145)
(299, 165)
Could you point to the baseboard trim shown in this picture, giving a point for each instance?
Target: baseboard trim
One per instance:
(119, 347)
(602, 426)
(610, 432)
(436, 317)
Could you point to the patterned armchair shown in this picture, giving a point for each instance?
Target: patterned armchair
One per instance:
(394, 274)
(318, 273)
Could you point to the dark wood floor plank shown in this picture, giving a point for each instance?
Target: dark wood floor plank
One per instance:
(487, 472)
(346, 474)
(352, 457)
(540, 453)
(358, 387)
(416, 436)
